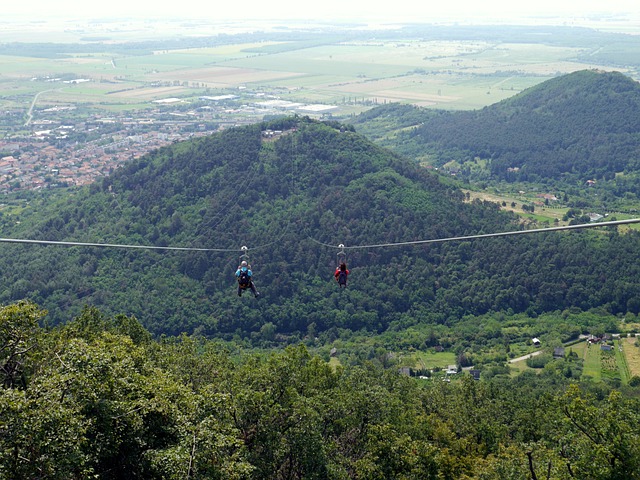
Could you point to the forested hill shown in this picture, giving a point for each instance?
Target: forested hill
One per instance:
(585, 125)
(284, 196)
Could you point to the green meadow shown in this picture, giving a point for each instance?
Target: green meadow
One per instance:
(432, 359)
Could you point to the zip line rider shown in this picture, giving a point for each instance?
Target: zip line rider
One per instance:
(341, 274)
(244, 277)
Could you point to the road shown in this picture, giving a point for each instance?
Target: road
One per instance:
(33, 103)
(524, 357)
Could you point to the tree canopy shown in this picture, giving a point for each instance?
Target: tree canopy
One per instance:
(578, 127)
(97, 398)
(288, 199)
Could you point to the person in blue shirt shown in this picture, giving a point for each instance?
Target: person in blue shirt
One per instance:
(245, 280)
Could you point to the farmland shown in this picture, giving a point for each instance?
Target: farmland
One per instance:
(619, 364)
(322, 75)
(78, 86)
(551, 215)
(632, 355)
(350, 74)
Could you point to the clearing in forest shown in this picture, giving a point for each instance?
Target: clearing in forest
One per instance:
(632, 355)
(592, 364)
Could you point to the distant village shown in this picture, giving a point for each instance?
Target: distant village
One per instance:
(45, 163)
(61, 151)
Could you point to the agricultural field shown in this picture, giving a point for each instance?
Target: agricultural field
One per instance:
(600, 364)
(551, 214)
(431, 359)
(514, 204)
(350, 75)
(200, 77)
(619, 364)
(631, 352)
(451, 75)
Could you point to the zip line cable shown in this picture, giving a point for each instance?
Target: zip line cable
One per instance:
(113, 245)
(293, 171)
(244, 249)
(343, 247)
(265, 245)
(485, 235)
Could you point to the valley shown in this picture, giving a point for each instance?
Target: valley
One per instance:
(187, 147)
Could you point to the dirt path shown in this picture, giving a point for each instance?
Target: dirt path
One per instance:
(524, 357)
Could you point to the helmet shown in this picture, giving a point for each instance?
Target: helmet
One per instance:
(243, 264)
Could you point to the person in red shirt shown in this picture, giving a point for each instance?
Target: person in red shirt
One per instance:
(341, 274)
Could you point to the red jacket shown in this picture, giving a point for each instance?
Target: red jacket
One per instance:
(337, 274)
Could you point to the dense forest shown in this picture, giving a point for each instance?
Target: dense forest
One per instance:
(577, 127)
(144, 363)
(97, 398)
(289, 198)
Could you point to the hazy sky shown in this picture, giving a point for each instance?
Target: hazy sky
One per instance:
(364, 10)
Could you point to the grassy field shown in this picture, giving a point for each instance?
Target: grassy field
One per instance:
(621, 361)
(429, 359)
(514, 203)
(578, 348)
(592, 364)
(599, 364)
(518, 367)
(549, 214)
(334, 362)
(631, 355)
(444, 74)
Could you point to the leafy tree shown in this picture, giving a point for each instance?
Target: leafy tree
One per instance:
(19, 339)
(601, 440)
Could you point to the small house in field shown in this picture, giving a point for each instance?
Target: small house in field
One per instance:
(606, 348)
(535, 341)
(475, 374)
(558, 352)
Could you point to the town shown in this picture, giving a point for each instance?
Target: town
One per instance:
(64, 149)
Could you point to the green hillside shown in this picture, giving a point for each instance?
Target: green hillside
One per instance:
(289, 198)
(98, 398)
(576, 127)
